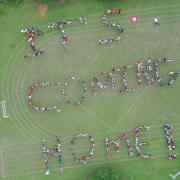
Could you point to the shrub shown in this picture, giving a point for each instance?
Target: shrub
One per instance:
(106, 173)
(50, 1)
(11, 1)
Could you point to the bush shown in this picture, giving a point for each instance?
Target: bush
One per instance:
(2, 11)
(105, 173)
(11, 1)
(50, 1)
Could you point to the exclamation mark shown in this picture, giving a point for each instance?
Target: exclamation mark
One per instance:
(171, 144)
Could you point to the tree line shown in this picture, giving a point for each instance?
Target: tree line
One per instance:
(14, 2)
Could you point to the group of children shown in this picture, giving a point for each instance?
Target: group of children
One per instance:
(149, 73)
(156, 69)
(139, 70)
(114, 25)
(112, 79)
(52, 152)
(30, 96)
(111, 142)
(112, 11)
(123, 138)
(31, 33)
(83, 94)
(95, 82)
(57, 150)
(153, 68)
(171, 144)
(124, 75)
(63, 93)
(60, 27)
(139, 144)
(84, 158)
(173, 77)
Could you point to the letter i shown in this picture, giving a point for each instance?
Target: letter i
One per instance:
(171, 145)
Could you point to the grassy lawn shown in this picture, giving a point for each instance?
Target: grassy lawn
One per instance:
(106, 115)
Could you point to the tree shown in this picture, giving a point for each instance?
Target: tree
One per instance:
(11, 1)
(50, 1)
(106, 173)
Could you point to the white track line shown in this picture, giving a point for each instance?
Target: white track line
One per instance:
(97, 33)
(95, 134)
(122, 18)
(95, 116)
(86, 69)
(39, 152)
(71, 161)
(128, 10)
(77, 166)
(2, 162)
(66, 147)
(124, 10)
(4, 90)
(69, 154)
(112, 155)
(130, 107)
(122, 21)
(93, 113)
(34, 125)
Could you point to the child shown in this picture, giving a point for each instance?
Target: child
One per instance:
(156, 21)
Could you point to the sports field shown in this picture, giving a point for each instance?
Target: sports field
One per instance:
(106, 115)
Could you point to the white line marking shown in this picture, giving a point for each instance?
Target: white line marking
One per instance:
(3, 104)
(174, 176)
(67, 136)
(114, 160)
(97, 118)
(2, 162)
(90, 112)
(132, 105)
(68, 156)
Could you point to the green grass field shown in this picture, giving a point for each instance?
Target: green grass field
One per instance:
(106, 115)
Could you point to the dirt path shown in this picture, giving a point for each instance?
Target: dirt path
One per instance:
(42, 9)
